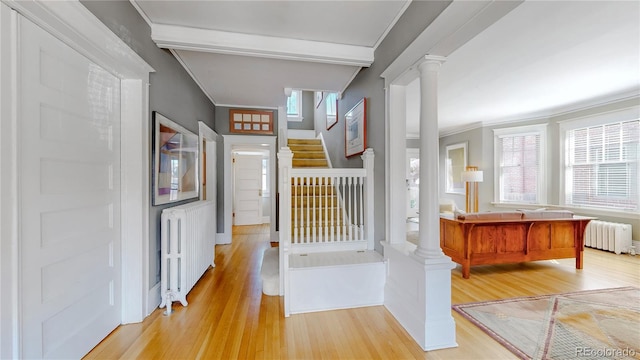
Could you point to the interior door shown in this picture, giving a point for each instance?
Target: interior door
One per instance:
(69, 148)
(247, 189)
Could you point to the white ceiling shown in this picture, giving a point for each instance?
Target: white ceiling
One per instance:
(542, 58)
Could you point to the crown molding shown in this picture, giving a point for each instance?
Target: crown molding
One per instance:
(193, 76)
(236, 106)
(222, 42)
(74, 24)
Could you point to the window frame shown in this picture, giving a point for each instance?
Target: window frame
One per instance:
(612, 117)
(541, 130)
(295, 117)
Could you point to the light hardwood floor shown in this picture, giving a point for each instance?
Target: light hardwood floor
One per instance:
(229, 318)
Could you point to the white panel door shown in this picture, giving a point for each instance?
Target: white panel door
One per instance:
(70, 198)
(248, 185)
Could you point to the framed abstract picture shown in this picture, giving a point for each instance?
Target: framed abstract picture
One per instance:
(175, 170)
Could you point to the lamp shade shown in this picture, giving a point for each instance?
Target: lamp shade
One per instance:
(471, 176)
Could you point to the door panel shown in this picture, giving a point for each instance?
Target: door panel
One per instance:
(70, 198)
(248, 183)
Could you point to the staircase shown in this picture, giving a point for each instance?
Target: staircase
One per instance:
(312, 193)
(308, 153)
(327, 260)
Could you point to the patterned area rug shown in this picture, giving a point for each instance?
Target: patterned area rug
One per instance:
(597, 324)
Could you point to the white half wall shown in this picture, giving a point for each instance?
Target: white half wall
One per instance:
(418, 294)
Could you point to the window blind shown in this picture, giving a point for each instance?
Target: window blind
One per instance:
(602, 165)
(519, 167)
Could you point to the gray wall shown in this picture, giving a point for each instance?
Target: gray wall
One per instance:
(172, 93)
(222, 128)
(368, 84)
(480, 153)
(308, 108)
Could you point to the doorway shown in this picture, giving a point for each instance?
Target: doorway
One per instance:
(251, 195)
(244, 142)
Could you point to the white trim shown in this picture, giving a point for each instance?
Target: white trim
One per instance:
(324, 148)
(223, 239)
(141, 12)
(251, 107)
(77, 27)
(347, 84)
(195, 79)
(9, 188)
(392, 24)
(626, 114)
(537, 129)
(135, 140)
(223, 42)
(510, 121)
(154, 298)
(229, 142)
(396, 188)
(206, 133)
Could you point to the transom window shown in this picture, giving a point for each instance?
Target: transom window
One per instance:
(520, 156)
(601, 162)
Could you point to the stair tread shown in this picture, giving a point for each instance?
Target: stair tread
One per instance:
(304, 141)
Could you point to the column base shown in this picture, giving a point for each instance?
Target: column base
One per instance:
(418, 294)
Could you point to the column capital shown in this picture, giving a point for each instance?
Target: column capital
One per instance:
(430, 62)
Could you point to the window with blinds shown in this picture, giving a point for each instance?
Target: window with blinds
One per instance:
(602, 165)
(520, 160)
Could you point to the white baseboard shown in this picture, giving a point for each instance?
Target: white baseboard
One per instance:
(266, 219)
(154, 299)
(223, 239)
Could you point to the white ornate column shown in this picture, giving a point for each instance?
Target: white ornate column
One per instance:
(429, 236)
(435, 290)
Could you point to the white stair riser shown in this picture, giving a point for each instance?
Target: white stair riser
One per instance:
(336, 287)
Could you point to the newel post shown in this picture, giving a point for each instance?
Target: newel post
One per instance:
(369, 221)
(285, 159)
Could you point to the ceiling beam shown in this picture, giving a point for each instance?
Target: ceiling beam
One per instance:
(222, 42)
(456, 25)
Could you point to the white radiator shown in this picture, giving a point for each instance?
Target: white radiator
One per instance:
(609, 236)
(187, 246)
